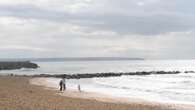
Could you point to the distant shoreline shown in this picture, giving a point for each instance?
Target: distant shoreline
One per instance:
(72, 59)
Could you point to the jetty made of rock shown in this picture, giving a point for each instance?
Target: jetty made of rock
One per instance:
(111, 74)
(11, 65)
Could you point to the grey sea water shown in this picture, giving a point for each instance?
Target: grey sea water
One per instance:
(178, 88)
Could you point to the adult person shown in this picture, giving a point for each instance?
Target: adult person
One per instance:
(62, 84)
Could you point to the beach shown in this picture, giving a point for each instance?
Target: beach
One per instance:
(16, 93)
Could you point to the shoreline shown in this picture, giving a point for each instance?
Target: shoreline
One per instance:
(83, 94)
(16, 93)
(108, 98)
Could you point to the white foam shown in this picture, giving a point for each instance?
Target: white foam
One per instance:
(150, 88)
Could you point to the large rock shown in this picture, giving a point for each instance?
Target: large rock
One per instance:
(10, 65)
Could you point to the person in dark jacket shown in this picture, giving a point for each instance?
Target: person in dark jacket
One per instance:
(61, 84)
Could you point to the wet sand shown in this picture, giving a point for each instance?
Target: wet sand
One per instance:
(16, 93)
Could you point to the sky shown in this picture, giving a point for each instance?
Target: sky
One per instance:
(151, 29)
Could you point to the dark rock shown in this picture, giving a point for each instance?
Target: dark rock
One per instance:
(111, 74)
(189, 72)
(17, 65)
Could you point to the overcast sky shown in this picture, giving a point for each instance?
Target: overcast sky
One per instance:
(110, 28)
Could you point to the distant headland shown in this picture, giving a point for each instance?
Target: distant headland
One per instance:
(73, 59)
(11, 65)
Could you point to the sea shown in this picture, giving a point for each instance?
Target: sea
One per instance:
(173, 88)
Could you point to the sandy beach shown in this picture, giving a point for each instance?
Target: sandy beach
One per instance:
(16, 93)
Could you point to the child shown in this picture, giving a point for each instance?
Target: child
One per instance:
(79, 88)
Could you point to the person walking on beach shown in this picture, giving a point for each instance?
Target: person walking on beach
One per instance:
(79, 88)
(62, 84)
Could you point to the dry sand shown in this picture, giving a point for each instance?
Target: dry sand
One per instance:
(17, 94)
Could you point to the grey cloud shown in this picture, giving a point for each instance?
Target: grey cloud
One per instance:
(149, 29)
(30, 11)
(159, 21)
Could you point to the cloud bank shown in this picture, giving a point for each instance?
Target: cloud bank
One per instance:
(81, 28)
